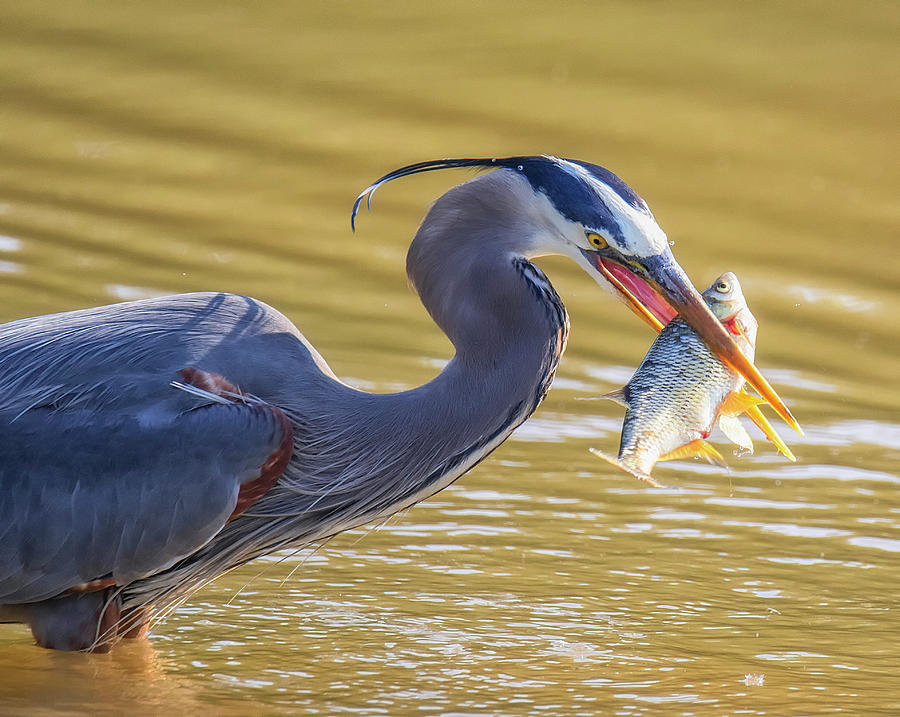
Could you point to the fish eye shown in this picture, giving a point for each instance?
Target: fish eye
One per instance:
(723, 287)
(597, 241)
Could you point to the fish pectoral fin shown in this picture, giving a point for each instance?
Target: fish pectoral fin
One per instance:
(738, 402)
(697, 448)
(646, 477)
(618, 396)
(736, 433)
(755, 415)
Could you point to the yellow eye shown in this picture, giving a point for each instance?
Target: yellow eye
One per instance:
(597, 241)
(723, 287)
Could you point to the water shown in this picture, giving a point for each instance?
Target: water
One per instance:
(156, 148)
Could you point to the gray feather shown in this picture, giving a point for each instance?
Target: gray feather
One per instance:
(105, 496)
(111, 464)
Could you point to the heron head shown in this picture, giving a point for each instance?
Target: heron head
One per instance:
(586, 212)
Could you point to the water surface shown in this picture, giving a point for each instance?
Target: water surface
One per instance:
(165, 147)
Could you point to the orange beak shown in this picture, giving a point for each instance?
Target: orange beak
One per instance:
(664, 290)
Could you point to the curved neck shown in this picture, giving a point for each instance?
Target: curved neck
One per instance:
(509, 329)
(363, 456)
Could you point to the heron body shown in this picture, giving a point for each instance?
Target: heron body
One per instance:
(147, 447)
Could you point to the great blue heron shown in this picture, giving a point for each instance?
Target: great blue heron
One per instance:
(147, 447)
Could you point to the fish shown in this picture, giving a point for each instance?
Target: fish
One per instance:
(682, 389)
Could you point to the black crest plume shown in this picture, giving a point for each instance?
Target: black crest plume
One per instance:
(569, 193)
(431, 165)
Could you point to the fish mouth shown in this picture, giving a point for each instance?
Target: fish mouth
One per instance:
(656, 289)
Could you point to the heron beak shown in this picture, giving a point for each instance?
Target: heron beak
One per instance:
(640, 296)
(656, 288)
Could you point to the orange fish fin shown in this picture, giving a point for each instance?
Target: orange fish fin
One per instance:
(618, 396)
(699, 448)
(755, 415)
(738, 402)
(646, 477)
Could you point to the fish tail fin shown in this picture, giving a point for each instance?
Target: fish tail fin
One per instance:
(646, 477)
(618, 396)
(699, 448)
(606, 457)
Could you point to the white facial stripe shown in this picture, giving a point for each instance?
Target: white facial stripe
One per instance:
(642, 235)
(553, 233)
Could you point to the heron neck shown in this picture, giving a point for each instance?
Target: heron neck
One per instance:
(362, 456)
(396, 449)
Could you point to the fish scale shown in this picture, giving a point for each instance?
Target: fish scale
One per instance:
(681, 388)
(673, 397)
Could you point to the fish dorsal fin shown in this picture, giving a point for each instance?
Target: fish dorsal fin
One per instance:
(618, 396)
(738, 402)
(732, 428)
(696, 448)
(755, 415)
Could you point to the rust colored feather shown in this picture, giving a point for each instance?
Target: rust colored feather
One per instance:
(254, 489)
(271, 471)
(93, 585)
(209, 381)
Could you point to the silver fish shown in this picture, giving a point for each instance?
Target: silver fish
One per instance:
(682, 388)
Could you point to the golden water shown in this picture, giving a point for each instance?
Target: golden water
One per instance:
(149, 148)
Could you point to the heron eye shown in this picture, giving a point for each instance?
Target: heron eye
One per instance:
(723, 287)
(597, 241)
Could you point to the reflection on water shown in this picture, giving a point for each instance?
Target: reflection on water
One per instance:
(194, 146)
(43, 682)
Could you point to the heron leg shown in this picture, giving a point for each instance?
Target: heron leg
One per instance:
(78, 621)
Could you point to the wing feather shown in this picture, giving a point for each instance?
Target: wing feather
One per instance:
(105, 467)
(109, 495)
